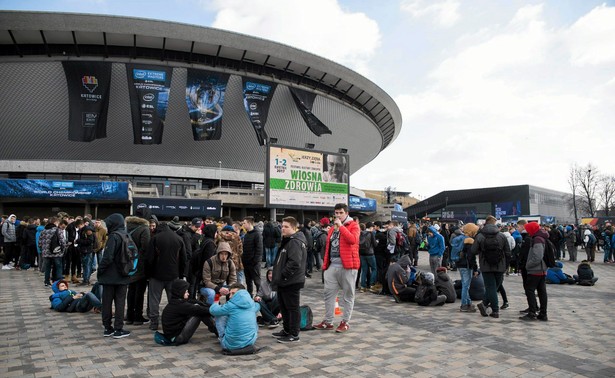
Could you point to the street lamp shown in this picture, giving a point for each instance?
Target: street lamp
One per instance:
(220, 174)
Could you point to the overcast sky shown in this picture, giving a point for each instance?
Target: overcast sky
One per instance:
(492, 93)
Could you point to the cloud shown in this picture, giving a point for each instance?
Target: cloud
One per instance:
(444, 13)
(592, 38)
(321, 27)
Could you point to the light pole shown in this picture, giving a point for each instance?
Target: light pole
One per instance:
(220, 174)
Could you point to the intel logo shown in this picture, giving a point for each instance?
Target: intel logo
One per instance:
(139, 74)
(149, 97)
(250, 86)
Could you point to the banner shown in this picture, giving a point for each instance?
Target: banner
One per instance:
(149, 88)
(181, 207)
(88, 99)
(256, 99)
(58, 189)
(503, 209)
(400, 216)
(362, 204)
(304, 101)
(204, 97)
(298, 178)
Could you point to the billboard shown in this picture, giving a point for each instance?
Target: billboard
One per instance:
(181, 207)
(59, 189)
(362, 204)
(503, 209)
(306, 179)
(205, 92)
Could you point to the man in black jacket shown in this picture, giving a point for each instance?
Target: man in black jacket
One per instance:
(165, 261)
(191, 240)
(182, 316)
(252, 255)
(138, 228)
(289, 278)
(114, 283)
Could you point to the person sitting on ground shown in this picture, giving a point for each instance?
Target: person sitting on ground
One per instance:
(236, 321)
(182, 316)
(585, 274)
(268, 299)
(399, 281)
(65, 300)
(556, 275)
(218, 273)
(444, 284)
(426, 293)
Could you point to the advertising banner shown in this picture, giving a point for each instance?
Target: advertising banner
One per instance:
(205, 97)
(306, 179)
(257, 96)
(503, 209)
(88, 99)
(58, 189)
(304, 101)
(149, 88)
(170, 207)
(400, 216)
(362, 204)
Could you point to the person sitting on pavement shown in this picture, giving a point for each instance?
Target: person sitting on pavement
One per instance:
(236, 321)
(65, 300)
(444, 284)
(219, 273)
(399, 281)
(585, 274)
(556, 275)
(426, 293)
(268, 299)
(182, 316)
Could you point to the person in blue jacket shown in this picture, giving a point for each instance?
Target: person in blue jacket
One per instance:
(236, 320)
(556, 275)
(435, 243)
(65, 300)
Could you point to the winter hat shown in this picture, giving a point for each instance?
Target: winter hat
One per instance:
(174, 224)
(441, 269)
(532, 228)
(197, 222)
(437, 227)
(568, 228)
(429, 277)
(325, 222)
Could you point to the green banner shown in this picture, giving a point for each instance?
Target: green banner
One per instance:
(308, 186)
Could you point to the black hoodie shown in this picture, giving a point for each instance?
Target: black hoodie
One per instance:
(166, 255)
(108, 269)
(179, 310)
(289, 268)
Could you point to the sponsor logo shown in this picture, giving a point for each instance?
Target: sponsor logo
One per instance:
(142, 206)
(139, 74)
(253, 106)
(147, 106)
(90, 83)
(250, 86)
(149, 97)
(146, 122)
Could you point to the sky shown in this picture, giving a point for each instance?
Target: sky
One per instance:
(492, 92)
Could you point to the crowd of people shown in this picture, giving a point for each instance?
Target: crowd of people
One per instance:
(211, 271)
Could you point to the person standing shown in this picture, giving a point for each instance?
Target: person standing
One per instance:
(289, 278)
(10, 241)
(436, 247)
(271, 239)
(252, 255)
(138, 228)
(571, 239)
(115, 285)
(536, 270)
(341, 264)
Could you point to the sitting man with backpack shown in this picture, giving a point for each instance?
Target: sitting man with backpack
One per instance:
(399, 280)
(426, 293)
(219, 273)
(585, 274)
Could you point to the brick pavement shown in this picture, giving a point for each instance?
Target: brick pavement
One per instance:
(386, 339)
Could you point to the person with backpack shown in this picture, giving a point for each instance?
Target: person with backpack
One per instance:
(536, 269)
(138, 229)
(571, 239)
(466, 264)
(115, 284)
(494, 251)
(435, 244)
(399, 280)
(52, 245)
(590, 245)
(367, 241)
(219, 272)
(320, 241)
(426, 293)
(415, 238)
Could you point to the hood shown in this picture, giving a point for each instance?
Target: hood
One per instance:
(490, 229)
(11, 216)
(143, 212)
(178, 288)
(587, 232)
(134, 222)
(443, 276)
(542, 233)
(584, 265)
(267, 275)
(209, 231)
(404, 261)
(88, 228)
(163, 227)
(433, 230)
(115, 222)
(54, 287)
(428, 278)
(458, 231)
(224, 247)
(242, 299)
(299, 236)
(559, 264)
(174, 224)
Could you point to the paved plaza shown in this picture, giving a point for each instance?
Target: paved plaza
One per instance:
(385, 339)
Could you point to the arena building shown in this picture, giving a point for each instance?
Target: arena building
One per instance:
(38, 116)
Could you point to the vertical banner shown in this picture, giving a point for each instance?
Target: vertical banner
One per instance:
(256, 99)
(305, 101)
(88, 99)
(205, 97)
(149, 88)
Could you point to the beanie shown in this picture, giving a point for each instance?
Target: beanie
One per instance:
(532, 228)
(325, 221)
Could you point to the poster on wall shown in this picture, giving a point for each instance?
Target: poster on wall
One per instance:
(88, 99)
(306, 179)
(205, 93)
(149, 88)
(304, 101)
(257, 96)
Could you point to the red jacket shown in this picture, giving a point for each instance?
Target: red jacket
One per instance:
(349, 246)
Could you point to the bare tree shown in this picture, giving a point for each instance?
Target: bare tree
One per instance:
(607, 193)
(572, 182)
(587, 179)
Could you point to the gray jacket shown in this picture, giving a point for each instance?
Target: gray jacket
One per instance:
(535, 263)
(8, 231)
(478, 248)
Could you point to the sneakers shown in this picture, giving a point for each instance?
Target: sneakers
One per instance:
(273, 324)
(483, 310)
(397, 299)
(161, 339)
(467, 308)
(7, 267)
(141, 321)
(108, 332)
(288, 339)
(362, 290)
(343, 327)
(120, 334)
(324, 326)
(153, 326)
(528, 317)
(495, 315)
(524, 311)
(504, 306)
(542, 317)
(279, 334)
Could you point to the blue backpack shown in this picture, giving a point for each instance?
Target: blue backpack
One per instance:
(129, 256)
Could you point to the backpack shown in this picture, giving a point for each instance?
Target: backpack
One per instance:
(492, 250)
(549, 255)
(591, 242)
(55, 248)
(306, 318)
(364, 242)
(418, 239)
(399, 239)
(129, 255)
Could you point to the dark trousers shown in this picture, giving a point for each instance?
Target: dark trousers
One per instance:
(493, 280)
(407, 294)
(270, 309)
(289, 307)
(113, 294)
(135, 299)
(382, 264)
(54, 263)
(310, 261)
(75, 262)
(502, 291)
(190, 328)
(67, 259)
(9, 252)
(536, 283)
(253, 277)
(415, 256)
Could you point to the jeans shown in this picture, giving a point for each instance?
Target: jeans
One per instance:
(289, 299)
(271, 254)
(270, 309)
(434, 263)
(96, 258)
(208, 293)
(607, 253)
(368, 262)
(493, 280)
(89, 301)
(56, 264)
(466, 279)
(221, 328)
(241, 277)
(86, 259)
(536, 283)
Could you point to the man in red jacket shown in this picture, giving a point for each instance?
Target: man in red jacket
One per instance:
(341, 264)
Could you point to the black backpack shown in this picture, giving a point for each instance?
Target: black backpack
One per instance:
(364, 242)
(129, 255)
(549, 255)
(492, 250)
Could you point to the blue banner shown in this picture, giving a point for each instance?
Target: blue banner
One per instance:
(205, 93)
(503, 209)
(58, 189)
(361, 204)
